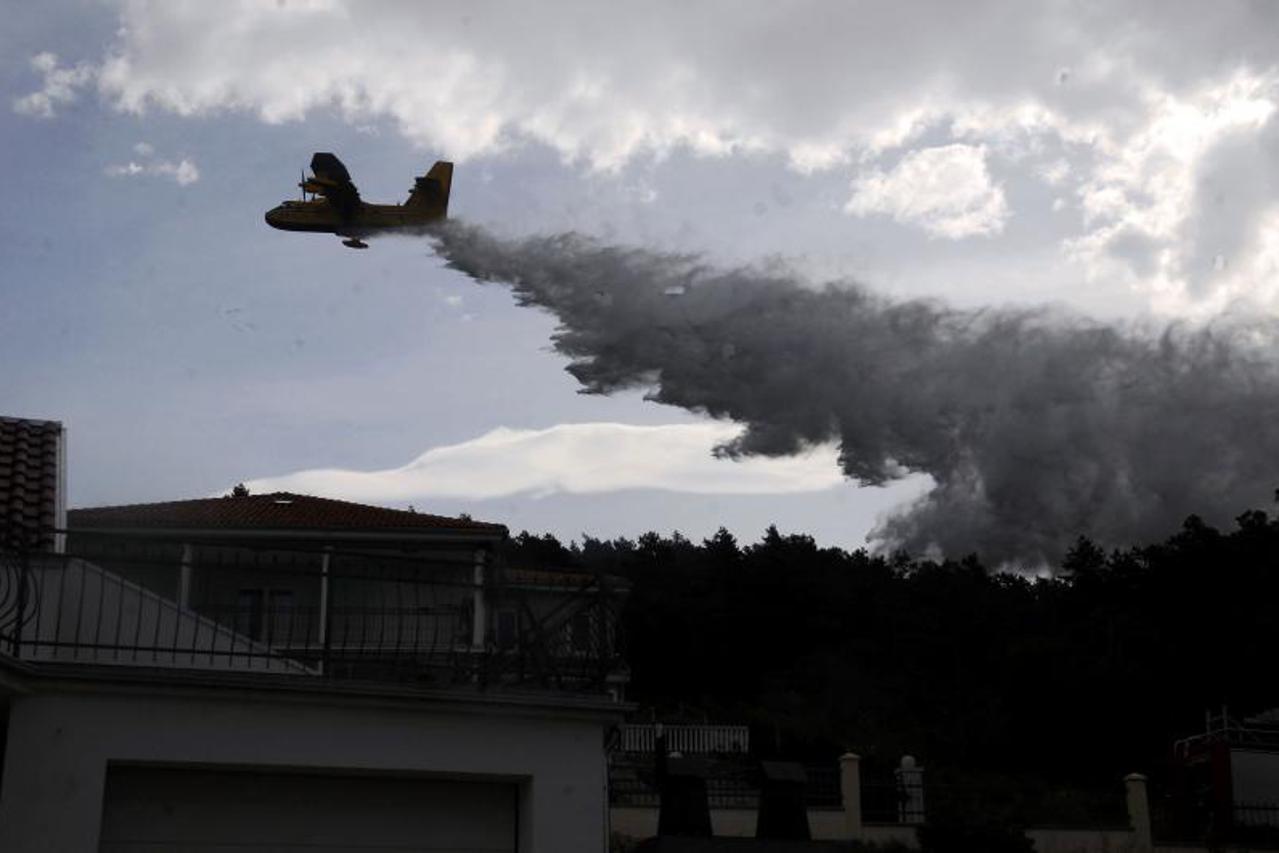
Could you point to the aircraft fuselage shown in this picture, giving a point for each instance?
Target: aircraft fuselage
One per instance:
(322, 217)
(336, 206)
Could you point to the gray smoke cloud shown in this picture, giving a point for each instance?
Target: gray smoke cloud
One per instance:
(1036, 425)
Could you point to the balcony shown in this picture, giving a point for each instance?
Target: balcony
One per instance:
(433, 620)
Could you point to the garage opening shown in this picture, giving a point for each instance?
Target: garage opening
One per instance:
(215, 811)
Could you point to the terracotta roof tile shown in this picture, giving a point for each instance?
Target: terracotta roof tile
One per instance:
(275, 511)
(29, 482)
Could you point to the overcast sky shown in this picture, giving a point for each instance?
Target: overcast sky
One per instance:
(1119, 159)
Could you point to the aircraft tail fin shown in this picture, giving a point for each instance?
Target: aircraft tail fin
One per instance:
(430, 192)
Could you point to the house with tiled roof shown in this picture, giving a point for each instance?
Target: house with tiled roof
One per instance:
(285, 671)
(278, 514)
(351, 587)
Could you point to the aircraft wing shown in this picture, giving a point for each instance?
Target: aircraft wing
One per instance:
(331, 180)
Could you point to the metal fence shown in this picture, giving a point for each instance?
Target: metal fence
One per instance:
(913, 798)
(891, 802)
(736, 788)
(1222, 728)
(823, 786)
(1257, 815)
(435, 620)
(1196, 819)
(687, 739)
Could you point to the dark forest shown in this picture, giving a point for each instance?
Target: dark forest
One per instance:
(1085, 673)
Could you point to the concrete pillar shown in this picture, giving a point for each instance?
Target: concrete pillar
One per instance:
(322, 629)
(479, 610)
(184, 577)
(1138, 812)
(910, 791)
(850, 791)
(60, 508)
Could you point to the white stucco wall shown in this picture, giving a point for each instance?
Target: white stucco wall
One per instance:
(638, 822)
(60, 741)
(1048, 840)
(824, 824)
(1254, 776)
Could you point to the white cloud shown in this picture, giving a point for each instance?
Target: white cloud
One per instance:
(604, 83)
(946, 190)
(184, 172)
(1055, 173)
(1201, 171)
(60, 86)
(1126, 108)
(124, 171)
(584, 458)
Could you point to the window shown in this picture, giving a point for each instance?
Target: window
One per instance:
(264, 614)
(279, 615)
(248, 613)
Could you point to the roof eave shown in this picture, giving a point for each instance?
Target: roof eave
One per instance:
(444, 534)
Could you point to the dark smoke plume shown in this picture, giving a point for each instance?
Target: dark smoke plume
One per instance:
(1035, 425)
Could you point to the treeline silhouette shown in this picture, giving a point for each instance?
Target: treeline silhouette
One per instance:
(1087, 673)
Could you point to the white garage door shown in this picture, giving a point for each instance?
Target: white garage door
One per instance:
(213, 811)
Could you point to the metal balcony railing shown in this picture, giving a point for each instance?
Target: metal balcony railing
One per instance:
(687, 739)
(312, 613)
(1222, 728)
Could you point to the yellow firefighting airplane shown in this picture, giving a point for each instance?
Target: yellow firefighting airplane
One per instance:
(341, 211)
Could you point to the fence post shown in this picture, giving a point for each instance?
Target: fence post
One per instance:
(1138, 812)
(850, 791)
